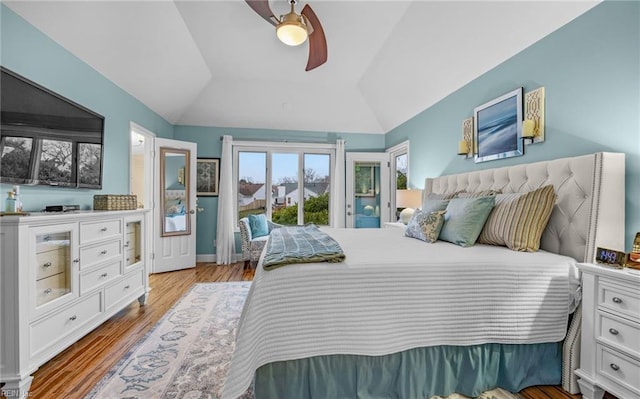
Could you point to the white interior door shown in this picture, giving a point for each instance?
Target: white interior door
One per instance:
(368, 189)
(175, 237)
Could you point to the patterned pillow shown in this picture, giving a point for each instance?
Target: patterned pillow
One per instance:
(465, 218)
(518, 220)
(425, 226)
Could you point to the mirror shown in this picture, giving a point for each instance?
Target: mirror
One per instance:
(174, 191)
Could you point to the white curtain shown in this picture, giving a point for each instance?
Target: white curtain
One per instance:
(337, 191)
(226, 247)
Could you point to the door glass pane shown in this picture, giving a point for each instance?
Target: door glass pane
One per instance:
(401, 172)
(367, 194)
(252, 176)
(316, 188)
(285, 193)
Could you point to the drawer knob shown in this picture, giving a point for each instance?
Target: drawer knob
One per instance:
(614, 366)
(47, 238)
(76, 260)
(73, 318)
(615, 299)
(48, 264)
(613, 331)
(126, 287)
(126, 244)
(103, 252)
(103, 275)
(128, 259)
(48, 291)
(103, 229)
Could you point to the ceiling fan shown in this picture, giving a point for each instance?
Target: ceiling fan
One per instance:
(293, 29)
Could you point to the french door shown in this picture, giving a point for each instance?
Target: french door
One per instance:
(367, 204)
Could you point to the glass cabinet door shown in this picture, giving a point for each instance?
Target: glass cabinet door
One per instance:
(133, 243)
(54, 258)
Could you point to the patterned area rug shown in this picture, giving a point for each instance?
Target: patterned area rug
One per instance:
(186, 355)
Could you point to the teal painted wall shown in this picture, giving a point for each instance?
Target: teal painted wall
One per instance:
(590, 69)
(32, 54)
(210, 146)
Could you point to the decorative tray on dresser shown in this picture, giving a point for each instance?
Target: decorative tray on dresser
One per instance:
(610, 347)
(62, 275)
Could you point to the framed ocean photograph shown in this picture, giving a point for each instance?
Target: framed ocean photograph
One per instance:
(498, 127)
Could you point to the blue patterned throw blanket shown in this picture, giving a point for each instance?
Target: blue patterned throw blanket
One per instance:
(300, 244)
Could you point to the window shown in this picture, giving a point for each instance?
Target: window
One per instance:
(276, 180)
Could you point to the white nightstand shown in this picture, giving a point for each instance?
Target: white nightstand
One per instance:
(610, 347)
(398, 225)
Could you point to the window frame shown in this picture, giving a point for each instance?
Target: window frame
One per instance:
(269, 148)
(394, 152)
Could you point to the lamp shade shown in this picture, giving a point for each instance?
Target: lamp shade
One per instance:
(408, 198)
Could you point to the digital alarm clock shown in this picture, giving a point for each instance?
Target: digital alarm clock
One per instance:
(610, 257)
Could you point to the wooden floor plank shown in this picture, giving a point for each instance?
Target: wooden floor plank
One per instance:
(73, 373)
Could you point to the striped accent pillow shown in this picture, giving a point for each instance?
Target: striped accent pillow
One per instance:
(518, 220)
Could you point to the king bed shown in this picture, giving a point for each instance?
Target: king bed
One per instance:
(403, 318)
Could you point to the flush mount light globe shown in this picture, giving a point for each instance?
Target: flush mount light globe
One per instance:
(292, 30)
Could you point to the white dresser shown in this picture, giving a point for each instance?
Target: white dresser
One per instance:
(62, 275)
(610, 347)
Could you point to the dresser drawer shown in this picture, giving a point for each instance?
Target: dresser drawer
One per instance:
(618, 368)
(51, 262)
(52, 287)
(100, 276)
(616, 299)
(52, 329)
(92, 255)
(129, 284)
(130, 257)
(101, 230)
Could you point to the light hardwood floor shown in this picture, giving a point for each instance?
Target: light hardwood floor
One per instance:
(75, 371)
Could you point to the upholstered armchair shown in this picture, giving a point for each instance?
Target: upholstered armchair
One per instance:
(252, 246)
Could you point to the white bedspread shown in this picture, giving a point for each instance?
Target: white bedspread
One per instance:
(395, 293)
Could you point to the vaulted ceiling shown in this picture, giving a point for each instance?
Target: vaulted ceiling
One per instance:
(217, 63)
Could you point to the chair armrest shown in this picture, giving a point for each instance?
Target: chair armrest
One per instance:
(272, 225)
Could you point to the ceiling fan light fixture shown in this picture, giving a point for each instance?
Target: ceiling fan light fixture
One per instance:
(292, 31)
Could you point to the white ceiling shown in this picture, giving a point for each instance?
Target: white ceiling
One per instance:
(217, 63)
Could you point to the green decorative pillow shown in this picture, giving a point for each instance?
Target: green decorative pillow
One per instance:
(518, 220)
(434, 205)
(465, 218)
(258, 225)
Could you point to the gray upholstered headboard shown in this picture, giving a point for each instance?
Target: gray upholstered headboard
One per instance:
(589, 211)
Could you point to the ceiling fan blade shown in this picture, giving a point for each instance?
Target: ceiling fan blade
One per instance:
(317, 40)
(261, 7)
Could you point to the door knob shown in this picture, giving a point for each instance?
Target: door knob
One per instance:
(192, 211)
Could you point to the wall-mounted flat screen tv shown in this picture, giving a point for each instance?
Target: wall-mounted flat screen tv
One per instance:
(46, 139)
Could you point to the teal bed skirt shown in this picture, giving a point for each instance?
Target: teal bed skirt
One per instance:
(413, 374)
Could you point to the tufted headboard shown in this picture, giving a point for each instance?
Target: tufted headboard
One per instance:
(589, 211)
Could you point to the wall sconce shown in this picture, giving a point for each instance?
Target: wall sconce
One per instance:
(533, 123)
(465, 146)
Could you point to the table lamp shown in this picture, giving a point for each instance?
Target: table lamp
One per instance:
(409, 200)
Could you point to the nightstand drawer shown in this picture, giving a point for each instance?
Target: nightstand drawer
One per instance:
(619, 332)
(618, 368)
(622, 302)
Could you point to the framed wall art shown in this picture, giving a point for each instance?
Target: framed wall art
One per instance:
(207, 177)
(498, 127)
